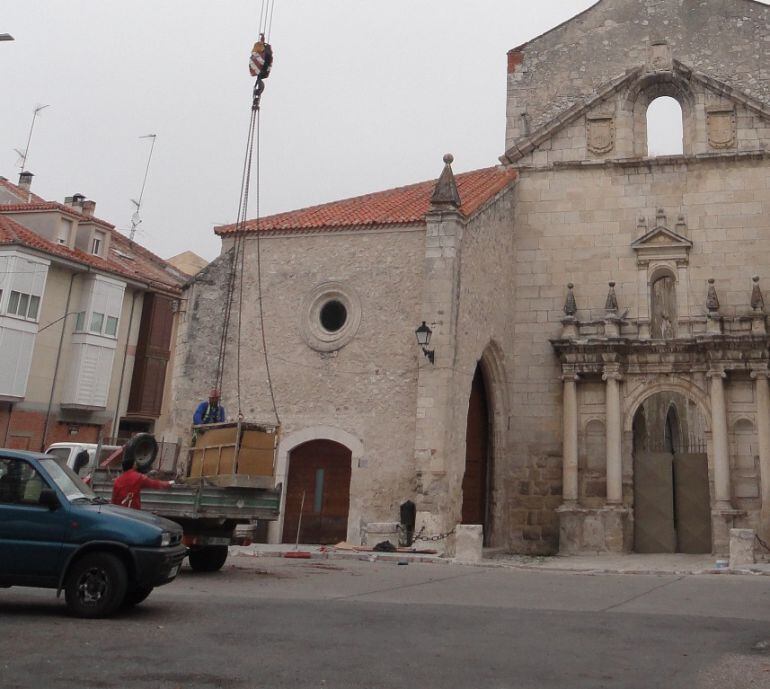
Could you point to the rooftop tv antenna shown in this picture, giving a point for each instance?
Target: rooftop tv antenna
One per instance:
(136, 218)
(24, 155)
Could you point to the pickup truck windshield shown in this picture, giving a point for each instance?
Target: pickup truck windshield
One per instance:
(67, 480)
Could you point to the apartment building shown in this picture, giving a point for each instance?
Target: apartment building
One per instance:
(87, 321)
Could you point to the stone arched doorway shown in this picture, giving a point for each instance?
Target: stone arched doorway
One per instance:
(478, 475)
(317, 493)
(672, 505)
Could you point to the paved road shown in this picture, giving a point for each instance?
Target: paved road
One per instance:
(334, 625)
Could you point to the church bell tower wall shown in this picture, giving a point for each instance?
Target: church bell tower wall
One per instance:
(565, 66)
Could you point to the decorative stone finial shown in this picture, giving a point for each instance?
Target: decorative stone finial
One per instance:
(660, 218)
(570, 305)
(681, 225)
(641, 225)
(757, 300)
(445, 193)
(611, 306)
(712, 300)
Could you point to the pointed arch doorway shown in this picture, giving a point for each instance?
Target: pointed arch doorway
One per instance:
(477, 479)
(672, 505)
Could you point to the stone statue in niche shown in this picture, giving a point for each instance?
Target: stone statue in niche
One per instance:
(600, 134)
(720, 123)
(663, 311)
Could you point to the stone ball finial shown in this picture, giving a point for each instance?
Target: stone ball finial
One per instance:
(612, 284)
(711, 281)
(449, 159)
(755, 278)
(570, 285)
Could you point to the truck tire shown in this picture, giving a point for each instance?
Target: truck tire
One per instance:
(142, 449)
(209, 558)
(135, 596)
(96, 585)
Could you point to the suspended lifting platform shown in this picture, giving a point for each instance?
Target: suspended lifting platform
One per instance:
(234, 455)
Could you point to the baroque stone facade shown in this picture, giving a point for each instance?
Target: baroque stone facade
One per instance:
(631, 404)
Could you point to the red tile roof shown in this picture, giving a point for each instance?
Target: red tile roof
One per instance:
(38, 206)
(137, 264)
(12, 233)
(401, 206)
(18, 192)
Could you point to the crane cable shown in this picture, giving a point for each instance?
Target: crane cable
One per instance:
(237, 259)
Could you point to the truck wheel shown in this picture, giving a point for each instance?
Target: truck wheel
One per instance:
(96, 585)
(135, 596)
(210, 558)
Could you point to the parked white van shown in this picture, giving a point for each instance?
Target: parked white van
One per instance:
(68, 452)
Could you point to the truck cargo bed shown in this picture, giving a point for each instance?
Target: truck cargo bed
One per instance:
(203, 501)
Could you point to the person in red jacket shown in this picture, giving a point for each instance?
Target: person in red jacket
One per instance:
(127, 489)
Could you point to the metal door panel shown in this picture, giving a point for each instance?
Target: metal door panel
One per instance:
(654, 503)
(693, 505)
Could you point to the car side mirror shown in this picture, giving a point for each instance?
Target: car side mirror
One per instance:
(48, 499)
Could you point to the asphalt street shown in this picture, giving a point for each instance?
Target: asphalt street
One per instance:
(338, 624)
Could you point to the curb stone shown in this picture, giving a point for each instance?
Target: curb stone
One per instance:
(395, 558)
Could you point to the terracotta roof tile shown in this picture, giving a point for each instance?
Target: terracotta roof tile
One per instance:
(145, 266)
(401, 206)
(18, 192)
(38, 206)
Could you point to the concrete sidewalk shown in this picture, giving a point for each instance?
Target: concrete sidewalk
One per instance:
(632, 563)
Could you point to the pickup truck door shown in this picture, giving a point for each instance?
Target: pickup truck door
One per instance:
(31, 535)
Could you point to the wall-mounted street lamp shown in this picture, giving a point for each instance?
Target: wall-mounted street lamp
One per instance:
(423, 334)
(6, 37)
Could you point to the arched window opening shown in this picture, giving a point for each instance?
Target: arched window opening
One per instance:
(665, 128)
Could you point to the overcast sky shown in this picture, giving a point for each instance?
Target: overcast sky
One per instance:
(364, 95)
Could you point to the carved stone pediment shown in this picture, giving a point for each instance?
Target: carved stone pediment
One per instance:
(661, 244)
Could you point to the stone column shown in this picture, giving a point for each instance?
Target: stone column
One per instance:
(570, 458)
(614, 437)
(763, 432)
(437, 500)
(719, 440)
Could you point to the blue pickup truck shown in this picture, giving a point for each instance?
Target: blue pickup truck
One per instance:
(56, 533)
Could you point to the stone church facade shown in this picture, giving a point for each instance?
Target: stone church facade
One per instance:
(597, 376)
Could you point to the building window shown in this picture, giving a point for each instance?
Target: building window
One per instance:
(23, 305)
(80, 321)
(111, 328)
(97, 323)
(96, 243)
(65, 231)
(665, 128)
(333, 315)
(100, 324)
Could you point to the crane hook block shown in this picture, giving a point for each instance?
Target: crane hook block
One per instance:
(261, 60)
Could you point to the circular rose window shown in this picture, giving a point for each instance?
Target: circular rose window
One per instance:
(331, 316)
